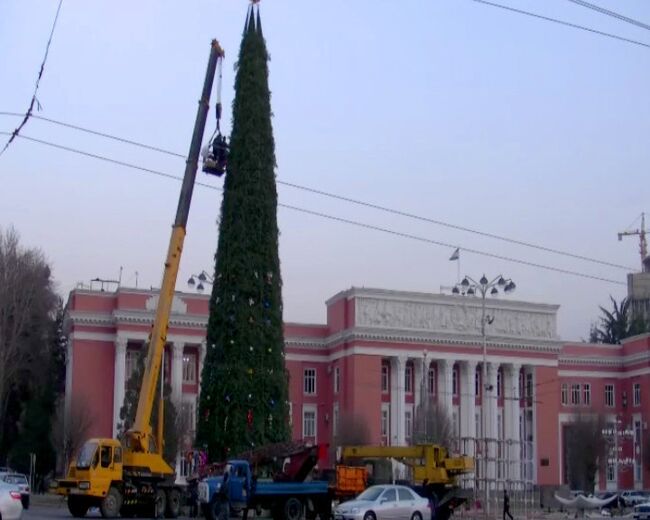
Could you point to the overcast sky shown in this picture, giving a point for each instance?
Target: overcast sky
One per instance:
(448, 109)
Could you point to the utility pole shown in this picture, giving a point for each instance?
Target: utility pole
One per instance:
(643, 244)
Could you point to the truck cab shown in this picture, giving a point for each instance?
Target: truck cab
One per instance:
(232, 487)
(97, 466)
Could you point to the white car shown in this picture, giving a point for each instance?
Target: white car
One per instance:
(387, 502)
(642, 511)
(19, 480)
(11, 507)
(633, 498)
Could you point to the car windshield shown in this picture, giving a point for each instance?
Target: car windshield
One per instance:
(85, 458)
(15, 479)
(371, 493)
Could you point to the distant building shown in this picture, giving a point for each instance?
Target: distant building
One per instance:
(381, 353)
(638, 292)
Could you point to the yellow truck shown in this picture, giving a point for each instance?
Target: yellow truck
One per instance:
(434, 472)
(131, 477)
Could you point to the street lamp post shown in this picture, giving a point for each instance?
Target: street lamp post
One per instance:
(199, 280)
(470, 287)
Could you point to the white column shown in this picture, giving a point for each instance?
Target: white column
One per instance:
(397, 371)
(490, 394)
(177, 373)
(118, 380)
(467, 407)
(513, 412)
(445, 392)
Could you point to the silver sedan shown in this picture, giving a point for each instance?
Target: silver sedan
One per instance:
(387, 502)
(11, 507)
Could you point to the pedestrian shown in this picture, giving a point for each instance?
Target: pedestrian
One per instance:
(506, 505)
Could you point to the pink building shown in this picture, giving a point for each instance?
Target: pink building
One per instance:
(378, 356)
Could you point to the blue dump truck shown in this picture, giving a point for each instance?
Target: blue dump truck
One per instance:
(234, 489)
(238, 491)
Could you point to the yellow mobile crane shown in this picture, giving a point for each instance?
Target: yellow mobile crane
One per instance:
(132, 478)
(434, 472)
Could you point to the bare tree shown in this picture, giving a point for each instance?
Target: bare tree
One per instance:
(352, 430)
(432, 425)
(70, 431)
(586, 448)
(27, 305)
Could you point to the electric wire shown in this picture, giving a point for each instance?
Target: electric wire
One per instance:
(34, 100)
(562, 22)
(350, 200)
(331, 217)
(613, 14)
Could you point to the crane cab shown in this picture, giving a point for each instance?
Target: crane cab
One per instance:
(97, 466)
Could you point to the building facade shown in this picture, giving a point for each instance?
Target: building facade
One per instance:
(382, 353)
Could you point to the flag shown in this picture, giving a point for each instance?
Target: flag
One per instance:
(455, 255)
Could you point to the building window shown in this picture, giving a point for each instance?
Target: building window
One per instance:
(335, 420)
(308, 422)
(499, 381)
(609, 395)
(638, 450)
(611, 473)
(384, 422)
(575, 394)
(290, 414)
(637, 394)
(529, 389)
(586, 394)
(189, 368)
(309, 381)
(564, 394)
(454, 382)
(477, 383)
(432, 381)
(337, 380)
(188, 414)
(131, 363)
(408, 425)
(408, 379)
(384, 378)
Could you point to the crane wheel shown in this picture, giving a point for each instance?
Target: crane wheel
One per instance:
(77, 506)
(173, 508)
(293, 509)
(159, 504)
(111, 504)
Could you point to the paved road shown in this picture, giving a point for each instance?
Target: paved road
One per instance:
(55, 510)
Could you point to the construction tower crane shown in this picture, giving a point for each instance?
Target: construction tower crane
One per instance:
(643, 244)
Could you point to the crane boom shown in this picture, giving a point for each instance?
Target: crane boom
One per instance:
(643, 244)
(139, 435)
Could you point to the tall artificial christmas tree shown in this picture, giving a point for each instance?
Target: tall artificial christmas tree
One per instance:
(243, 401)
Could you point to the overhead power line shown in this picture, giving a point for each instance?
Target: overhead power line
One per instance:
(34, 100)
(613, 14)
(331, 217)
(562, 22)
(351, 200)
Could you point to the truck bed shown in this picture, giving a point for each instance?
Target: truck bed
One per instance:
(291, 488)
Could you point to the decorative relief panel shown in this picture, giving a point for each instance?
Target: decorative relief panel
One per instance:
(178, 305)
(441, 317)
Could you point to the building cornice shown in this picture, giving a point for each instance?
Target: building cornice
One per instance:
(444, 299)
(146, 318)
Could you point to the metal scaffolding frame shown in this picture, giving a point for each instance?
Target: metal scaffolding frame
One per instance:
(503, 457)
